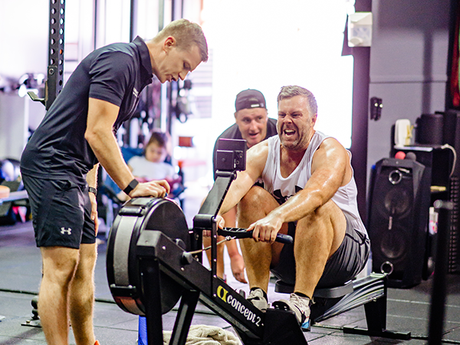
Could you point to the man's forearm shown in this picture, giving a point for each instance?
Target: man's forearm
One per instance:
(298, 206)
(91, 177)
(236, 192)
(108, 153)
(99, 134)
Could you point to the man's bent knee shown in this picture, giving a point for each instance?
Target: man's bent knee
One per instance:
(254, 194)
(328, 216)
(257, 197)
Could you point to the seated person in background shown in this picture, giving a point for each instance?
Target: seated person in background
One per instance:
(309, 193)
(252, 124)
(151, 165)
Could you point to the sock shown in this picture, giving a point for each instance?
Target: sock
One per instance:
(302, 295)
(265, 294)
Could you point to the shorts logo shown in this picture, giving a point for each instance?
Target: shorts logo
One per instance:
(67, 231)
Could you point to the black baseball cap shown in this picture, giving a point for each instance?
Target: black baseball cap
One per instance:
(249, 99)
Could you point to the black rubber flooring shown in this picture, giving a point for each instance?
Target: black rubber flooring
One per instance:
(20, 272)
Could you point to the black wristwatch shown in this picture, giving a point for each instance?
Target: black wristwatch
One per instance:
(133, 184)
(92, 190)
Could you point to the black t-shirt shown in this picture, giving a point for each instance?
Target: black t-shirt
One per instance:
(233, 132)
(117, 74)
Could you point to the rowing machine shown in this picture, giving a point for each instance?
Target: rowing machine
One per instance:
(150, 266)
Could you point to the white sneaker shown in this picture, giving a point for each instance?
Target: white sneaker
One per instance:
(300, 306)
(256, 297)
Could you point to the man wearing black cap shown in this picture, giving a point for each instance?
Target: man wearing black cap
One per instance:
(252, 124)
(251, 121)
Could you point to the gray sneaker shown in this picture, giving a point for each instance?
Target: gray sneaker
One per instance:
(300, 306)
(256, 297)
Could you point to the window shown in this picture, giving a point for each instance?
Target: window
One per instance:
(267, 44)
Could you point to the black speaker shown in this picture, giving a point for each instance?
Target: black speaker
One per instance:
(452, 137)
(398, 220)
(452, 133)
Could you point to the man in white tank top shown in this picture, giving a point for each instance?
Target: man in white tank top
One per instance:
(310, 193)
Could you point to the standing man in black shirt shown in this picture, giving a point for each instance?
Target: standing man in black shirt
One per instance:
(253, 125)
(59, 165)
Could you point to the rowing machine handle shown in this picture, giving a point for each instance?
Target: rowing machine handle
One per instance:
(244, 233)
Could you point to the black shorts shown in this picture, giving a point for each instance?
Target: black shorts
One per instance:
(61, 212)
(348, 260)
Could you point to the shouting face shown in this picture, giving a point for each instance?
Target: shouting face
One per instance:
(295, 123)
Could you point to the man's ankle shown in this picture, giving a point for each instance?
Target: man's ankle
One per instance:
(300, 294)
(264, 293)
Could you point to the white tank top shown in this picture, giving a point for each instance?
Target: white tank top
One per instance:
(283, 188)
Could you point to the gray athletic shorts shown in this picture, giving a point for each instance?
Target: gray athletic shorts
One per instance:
(349, 259)
(61, 212)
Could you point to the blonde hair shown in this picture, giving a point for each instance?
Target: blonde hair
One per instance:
(186, 34)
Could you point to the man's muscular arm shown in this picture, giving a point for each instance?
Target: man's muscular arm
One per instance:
(330, 170)
(101, 118)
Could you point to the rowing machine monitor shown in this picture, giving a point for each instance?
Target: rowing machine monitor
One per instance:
(231, 155)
